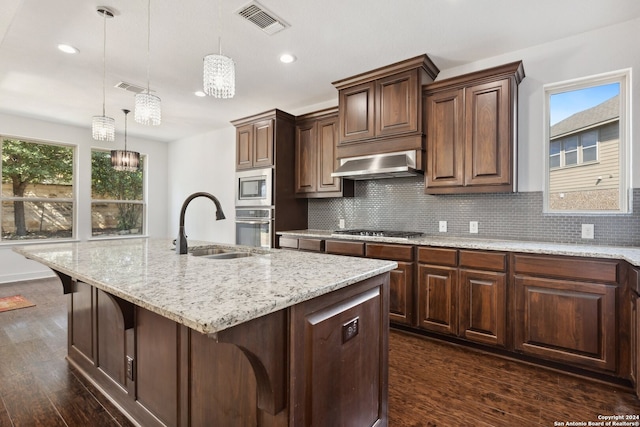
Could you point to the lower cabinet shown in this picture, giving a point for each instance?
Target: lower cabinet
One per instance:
(566, 310)
(458, 296)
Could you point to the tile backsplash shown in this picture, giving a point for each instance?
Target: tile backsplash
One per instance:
(400, 204)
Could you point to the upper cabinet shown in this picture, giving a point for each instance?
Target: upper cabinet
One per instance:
(255, 138)
(471, 128)
(316, 141)
(381, 110)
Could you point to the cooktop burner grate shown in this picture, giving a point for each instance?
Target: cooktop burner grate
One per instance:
(380, 233)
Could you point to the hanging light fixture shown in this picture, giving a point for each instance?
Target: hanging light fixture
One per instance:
(124, 160)
(219, 73)
(103, 128)
(147, 106)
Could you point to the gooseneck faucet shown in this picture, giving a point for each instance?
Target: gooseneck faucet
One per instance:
(181, 242)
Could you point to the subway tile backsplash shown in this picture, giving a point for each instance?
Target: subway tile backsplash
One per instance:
(400, 204)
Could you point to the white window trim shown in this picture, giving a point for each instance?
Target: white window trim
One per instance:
(623, 77)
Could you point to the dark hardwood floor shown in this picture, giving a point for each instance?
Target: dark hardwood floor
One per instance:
(430, 383)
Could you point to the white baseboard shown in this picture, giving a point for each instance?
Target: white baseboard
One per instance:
(33, 275)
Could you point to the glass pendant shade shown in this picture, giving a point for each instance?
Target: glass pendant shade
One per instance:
(103, 128)
(219, 76)
(123, 160)
(147, 109)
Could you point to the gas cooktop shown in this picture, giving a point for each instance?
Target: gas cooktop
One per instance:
(380, 233)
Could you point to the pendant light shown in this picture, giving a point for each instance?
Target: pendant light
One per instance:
(124, 160)
(147, 106)
(103, 128)
(219, 73)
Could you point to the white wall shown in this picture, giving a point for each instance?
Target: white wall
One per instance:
(15, 267)
(607, 49)
(203, 163)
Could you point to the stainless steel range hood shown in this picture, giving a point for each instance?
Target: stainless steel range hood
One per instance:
(376, 166)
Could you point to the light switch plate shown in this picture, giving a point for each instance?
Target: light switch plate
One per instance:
(442, 226)
(587, 231)
(473, 227)
(341, 223)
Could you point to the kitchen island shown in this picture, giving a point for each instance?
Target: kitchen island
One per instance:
(277, 338)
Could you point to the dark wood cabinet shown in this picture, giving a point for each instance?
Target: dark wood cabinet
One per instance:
(381, 110)
(471, 133)
(254, 145)
(566, 310)
(401, 280)
(463, 293)
(316, 141)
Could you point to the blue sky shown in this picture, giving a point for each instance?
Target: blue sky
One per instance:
(562, 105)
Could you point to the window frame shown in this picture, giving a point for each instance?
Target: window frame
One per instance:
(623, 78)
(144, 203)
(73, 199)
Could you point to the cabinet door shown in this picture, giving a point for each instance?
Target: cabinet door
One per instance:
(263, 143)
(357, 114)
(327, 161)
(488, 134)
(306, 158)
(445, 139)
(397, 104)
(483, 308)
(244, 147)
(437, 299)
(401, 294)
(566, 321)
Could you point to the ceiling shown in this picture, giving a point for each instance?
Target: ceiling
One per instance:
(332, 39)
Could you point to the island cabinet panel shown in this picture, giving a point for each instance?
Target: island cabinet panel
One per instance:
(340, 357)
(438, 299)
(111, 338)
(156, 365)
(81, 319)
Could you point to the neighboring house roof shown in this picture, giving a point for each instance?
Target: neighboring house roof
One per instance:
(601, 113)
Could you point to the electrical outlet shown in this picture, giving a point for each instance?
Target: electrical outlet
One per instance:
(587, 231)
(442, 226)
(341, 223)
(473, 227)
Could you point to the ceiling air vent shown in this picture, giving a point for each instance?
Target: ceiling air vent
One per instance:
(130, 87)
(264, 19)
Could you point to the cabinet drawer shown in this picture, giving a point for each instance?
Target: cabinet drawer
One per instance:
(340, 247)
(567, 268)
(391, 252)
(288, 242)
(316, 245)
(493, 261)
(438, 256)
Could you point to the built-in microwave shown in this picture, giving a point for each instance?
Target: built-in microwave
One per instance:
(254, 187)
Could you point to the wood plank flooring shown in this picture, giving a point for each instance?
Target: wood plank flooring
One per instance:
(431, 383)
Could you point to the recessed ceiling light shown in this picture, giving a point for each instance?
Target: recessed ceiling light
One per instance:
(200, 93)
(287, 58)
(67, 48)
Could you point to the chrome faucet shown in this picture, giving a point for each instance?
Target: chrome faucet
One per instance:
(181, 242)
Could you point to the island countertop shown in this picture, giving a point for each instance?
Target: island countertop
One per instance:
(203, 294)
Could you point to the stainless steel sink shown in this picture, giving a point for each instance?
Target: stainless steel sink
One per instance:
(219, 253)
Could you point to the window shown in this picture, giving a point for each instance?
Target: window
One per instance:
(117, 198)
(38, 197)
(587, 144)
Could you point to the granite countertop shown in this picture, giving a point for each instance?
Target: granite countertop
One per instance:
(629, 254)
(204, 294)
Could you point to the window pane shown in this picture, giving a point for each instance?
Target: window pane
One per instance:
(554, 161)
(571, 143)
(589, 154)
(108, 219)
(110, 184)
(31, 169)
(36, 220)
(589, 139)
(555, 147)
(571, 158)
